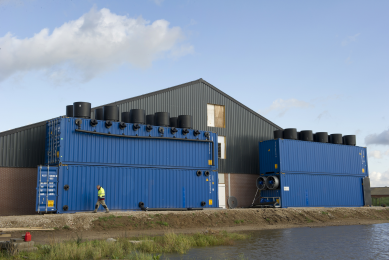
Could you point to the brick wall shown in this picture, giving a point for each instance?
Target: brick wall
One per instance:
(17, 191)
(242, 188)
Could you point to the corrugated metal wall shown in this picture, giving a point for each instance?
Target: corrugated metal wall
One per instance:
(243, 129)
(25, 148)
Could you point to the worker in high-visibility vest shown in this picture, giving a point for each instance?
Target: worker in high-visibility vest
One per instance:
(101, 199)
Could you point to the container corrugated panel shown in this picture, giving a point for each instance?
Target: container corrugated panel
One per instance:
(284, 155)
(318, 190)
(46, 195)
(125, 187)
(64, 145)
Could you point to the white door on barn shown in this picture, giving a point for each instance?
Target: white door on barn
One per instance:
(222, 195)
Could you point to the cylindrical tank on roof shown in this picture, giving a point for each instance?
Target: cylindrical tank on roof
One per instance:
(162, 119)
(322, 137)
(290, 133)
(111, 113)
(350, 140)
(185, 121)
(150, 120)
(126, 117)
(306, 135)
(69, 111)
(99, 113)
(81, 109)
(174, 121)
(278, 134)
(336, 138)
(138, 116)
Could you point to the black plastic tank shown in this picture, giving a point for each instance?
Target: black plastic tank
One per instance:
(69, 111)
(174, 121)
(350, 140)
(278, 134)
(137, 116)
(336, 138)
(185, 121)
(150, 120)
(290, 133)
(111, 113)
(306, 135)
(329, 139)
(298, 135)
(81, 109)
(126, 117)
(162, 119)
(321, 137)
(99, 113)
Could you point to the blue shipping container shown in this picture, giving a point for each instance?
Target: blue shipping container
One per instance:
(124, 187)
(46, 195)
(68, 143)
(294, 156)
(317, 190)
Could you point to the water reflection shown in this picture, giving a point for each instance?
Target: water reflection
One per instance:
(342, 242)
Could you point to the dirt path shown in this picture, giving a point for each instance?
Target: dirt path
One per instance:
(130, 224)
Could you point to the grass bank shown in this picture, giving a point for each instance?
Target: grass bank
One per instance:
(147, 248)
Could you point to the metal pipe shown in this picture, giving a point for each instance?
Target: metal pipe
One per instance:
(159, 138)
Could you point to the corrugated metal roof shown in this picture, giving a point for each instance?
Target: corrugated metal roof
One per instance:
(191, 83)
(244, 127)
(380, 191)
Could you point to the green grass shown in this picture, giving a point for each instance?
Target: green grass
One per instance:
(162, 223)
(150, 248)
(238, 221)
(108, 218)
(324, 212)
(66, 227)
(308, 220)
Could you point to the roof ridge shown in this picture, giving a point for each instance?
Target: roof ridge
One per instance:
(200, 80)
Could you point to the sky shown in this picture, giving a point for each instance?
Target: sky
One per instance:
(310, 65)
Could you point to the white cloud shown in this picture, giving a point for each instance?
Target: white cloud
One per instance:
(378, 154)
(350, 39)
(378, 179)
(96, 42)
(323, 114)
(282, 106)
(158, 2)
(375, 154)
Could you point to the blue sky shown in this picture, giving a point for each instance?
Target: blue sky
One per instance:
(303, 64)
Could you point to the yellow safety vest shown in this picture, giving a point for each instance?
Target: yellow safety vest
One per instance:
(101, 193)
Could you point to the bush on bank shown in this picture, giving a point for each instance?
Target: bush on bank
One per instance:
(148, 248)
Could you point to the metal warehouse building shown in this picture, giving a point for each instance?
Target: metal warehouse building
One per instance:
(239, 129)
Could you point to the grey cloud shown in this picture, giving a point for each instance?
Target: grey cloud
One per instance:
(380, 139)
